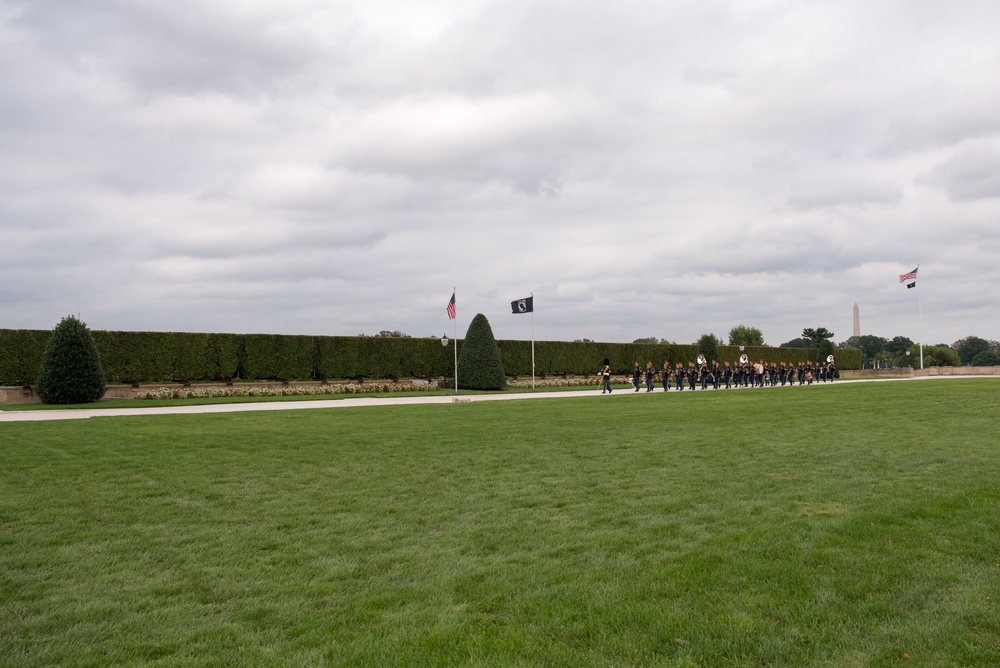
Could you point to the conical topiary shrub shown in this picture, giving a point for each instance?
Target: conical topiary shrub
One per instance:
(479, 365)
(708, 346)
(71, 371)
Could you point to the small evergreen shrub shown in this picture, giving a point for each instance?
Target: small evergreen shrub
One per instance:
(479, 365)
(71, 371)
(824, 350)
(708, 346)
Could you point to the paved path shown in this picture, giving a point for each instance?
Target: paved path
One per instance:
(383, 400)
(442, 397)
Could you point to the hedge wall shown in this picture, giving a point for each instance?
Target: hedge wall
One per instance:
(146, 357)
(21, 354)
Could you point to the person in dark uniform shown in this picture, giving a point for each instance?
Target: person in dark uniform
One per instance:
(665, 375)
(650, 372)
(692, 374)
(679, 377)
(636, 376)
(727, 375)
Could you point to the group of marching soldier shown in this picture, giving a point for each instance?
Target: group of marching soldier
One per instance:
(739, 374)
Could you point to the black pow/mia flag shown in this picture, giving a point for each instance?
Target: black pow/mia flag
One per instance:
(525, 305)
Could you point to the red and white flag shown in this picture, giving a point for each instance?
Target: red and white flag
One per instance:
(903, 278)
(451, 307)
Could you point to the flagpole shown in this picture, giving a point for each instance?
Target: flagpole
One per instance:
(453, 291)
(920, 321)
(532, 340)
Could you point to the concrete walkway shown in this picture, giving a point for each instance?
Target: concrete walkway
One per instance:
(443, 397)
(384, 400)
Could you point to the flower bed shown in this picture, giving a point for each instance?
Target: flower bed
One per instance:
(522, 384)
(252, 391)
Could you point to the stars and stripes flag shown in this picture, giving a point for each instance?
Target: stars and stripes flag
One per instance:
(451, 307)
(909, 276)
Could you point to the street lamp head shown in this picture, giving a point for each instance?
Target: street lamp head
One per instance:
(444, 340)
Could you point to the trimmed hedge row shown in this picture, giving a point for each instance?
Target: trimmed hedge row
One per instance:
(146, 357)
(21, 353)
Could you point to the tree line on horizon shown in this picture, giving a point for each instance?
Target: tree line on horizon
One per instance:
(876, 351)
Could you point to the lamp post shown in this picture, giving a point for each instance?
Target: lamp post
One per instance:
(444, 357)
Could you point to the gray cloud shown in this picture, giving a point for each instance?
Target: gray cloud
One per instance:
(972, 173)
(316, 167)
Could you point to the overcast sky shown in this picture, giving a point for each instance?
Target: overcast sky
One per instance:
(661, 169)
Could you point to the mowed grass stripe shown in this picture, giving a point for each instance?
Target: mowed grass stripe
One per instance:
(845, 525)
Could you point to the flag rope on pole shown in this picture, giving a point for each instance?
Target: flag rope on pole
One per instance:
(453, 292)
(912, 276)
(527, 305)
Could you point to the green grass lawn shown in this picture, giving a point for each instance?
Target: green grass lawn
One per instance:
(853, 525)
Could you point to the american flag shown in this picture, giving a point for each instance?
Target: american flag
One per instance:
(903, 278)
(451, 307)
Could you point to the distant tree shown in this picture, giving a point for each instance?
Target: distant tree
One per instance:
(742, 335)
(647, 339)
(582, 341)
(824, 350)
(896, 350)
(816, 336)
(479, 364)
(708, 345)
(869, 344)
(939, 355)
(969, 347)
(71, 371)
(899, 345)
(986, 358)
(797, 343)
